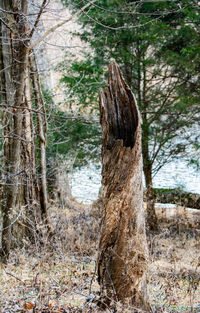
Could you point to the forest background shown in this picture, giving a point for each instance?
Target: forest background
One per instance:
(156, 45)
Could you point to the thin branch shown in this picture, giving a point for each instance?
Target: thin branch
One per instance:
(196, 3)
(52, 29)
(13, 222)
(38, 18)
(4, 69)
(138, 13)
(76, 118)
(73, 291)
(119, 27)
(17, 278)
(7, 26)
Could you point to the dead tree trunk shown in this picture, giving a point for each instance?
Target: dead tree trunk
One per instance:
(123, 253)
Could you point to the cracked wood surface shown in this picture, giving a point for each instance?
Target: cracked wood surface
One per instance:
(123, 253)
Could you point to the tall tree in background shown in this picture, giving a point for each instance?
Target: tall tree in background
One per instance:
(133, 33)
(24, 120)
(181, 52)
(21, 187)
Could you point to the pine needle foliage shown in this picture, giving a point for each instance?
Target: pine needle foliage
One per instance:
(71, 136)
(154, 44)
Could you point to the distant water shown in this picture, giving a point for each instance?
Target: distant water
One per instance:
(87, 181)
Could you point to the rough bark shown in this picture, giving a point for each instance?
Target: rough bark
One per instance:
(123, 253)
(21, 188)
(30, 186)
(14, 27)
(7, 96)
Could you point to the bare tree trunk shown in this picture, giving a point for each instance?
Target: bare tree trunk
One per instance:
(123, 252)
(42, 130)
(30, 185)
(18, 52)
(7, 97)
(147, 163)
(21, 178)
(152, 223)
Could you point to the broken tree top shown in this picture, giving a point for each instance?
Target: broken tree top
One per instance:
(119, 111)
(123, 252)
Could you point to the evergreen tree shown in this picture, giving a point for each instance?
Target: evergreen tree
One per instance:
(182, 53)
(71, 135)
(135, 34)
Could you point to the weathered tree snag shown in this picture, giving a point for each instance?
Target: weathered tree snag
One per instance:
(123, 253)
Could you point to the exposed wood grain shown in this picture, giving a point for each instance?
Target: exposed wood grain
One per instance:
(123, 253)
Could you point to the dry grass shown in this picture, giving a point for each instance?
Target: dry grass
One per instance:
(58, 275)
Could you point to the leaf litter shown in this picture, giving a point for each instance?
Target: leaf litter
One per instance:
(59, 276)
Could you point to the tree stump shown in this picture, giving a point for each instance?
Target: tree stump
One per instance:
(123, 252)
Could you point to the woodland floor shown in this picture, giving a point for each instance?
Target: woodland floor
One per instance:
(58, 275)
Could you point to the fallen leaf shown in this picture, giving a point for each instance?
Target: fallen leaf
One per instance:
(29, 306)
(52, 303)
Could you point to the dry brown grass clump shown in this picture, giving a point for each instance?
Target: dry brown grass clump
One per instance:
(58, 274)
(76, 228)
